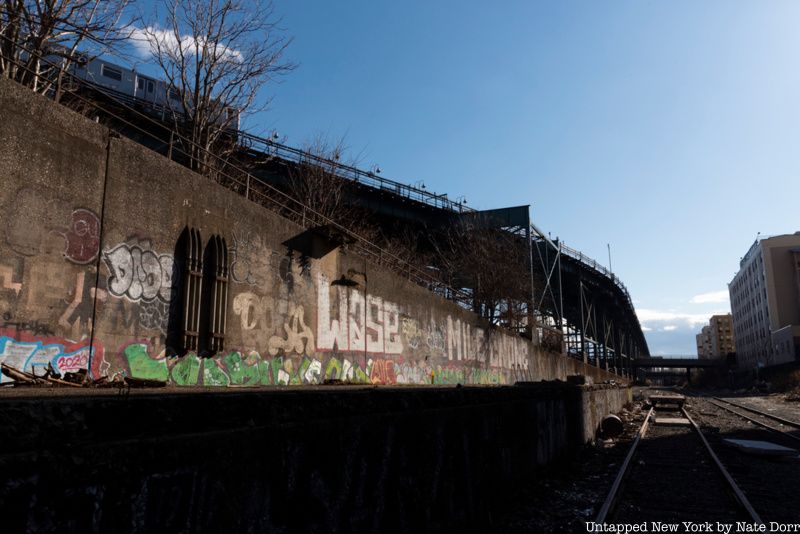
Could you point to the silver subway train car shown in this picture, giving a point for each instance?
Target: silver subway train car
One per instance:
(145, 89)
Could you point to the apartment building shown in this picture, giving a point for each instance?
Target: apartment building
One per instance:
(722, 338)
(765, 302)
(704, 343)
(716, 339)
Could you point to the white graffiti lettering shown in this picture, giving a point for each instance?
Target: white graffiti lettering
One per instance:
(299, 338)
(139, 273)
(373, 325)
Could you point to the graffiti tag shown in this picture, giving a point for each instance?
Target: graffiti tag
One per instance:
(139, 273)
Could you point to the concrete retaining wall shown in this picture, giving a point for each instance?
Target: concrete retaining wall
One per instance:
(88, 276)
(321, 459)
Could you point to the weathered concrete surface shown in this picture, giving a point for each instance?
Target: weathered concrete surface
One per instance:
(312, 459)
(88, 273)
(596, 402)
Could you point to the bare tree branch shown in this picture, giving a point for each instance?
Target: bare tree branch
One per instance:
(216, 56)
(40, 39)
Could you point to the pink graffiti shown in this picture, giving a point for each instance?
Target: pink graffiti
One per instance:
(70, 352)
(71, 364)
(82, 240)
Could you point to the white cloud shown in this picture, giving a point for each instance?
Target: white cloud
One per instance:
(646, 328)
(672, 318)
(144, 40)
(715, 297)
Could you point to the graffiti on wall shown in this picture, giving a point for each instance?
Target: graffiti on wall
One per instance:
(32, 354)
(412, 334)
(469, 343)
(428, 339)
(7, 279)
(355, 325)
(36, 328)
(253, 310)
(79, 311)
(235, 368)
(250, 257)
(297, 337)
(261, 315)
(154, 315)
(137, 272)
(82, 238)
(124, 314)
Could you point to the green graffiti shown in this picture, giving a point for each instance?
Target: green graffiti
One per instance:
(186, 370)
(299, 376)
(213, 375)
(360, 376)
(143, 366)
(487, 376)
(264, 372)
(234, 368)
(279, 375)
(333, 370)
(241, 372)
(449, 376)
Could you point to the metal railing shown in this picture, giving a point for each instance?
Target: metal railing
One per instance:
(353, 174)
(589, 262)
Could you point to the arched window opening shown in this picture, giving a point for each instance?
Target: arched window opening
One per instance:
(214, 304)
(187, 282)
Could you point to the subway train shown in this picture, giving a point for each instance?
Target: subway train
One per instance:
(156, 94)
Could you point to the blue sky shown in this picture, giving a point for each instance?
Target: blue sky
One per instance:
(667, 129)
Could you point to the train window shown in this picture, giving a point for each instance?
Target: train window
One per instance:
(140, 84)
(114, 74)
(149, 86)
(174, 94)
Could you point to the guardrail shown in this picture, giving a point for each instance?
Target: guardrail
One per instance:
(353, 174)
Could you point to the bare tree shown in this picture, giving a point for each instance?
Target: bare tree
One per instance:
(41, 39)
(317, 182)
(492, 264)
(216, 56)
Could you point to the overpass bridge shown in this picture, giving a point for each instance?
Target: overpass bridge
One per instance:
(576, 304)
(673, 367)
(677, 363)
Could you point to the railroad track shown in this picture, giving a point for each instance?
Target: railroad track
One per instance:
(766, 420)
(672, 474)
(771, 484)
